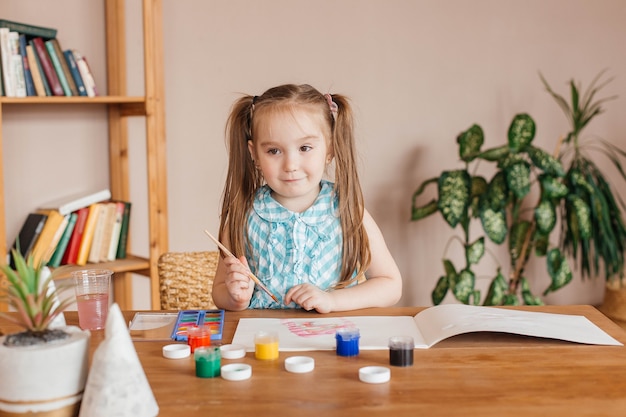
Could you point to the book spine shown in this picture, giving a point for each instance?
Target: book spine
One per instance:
(58, 51)
(56, 64)
(35, 72)
(44, 81)
(71, 63)
(121, 247)
(71, 253)
(30, 231)
(59, 252)
(117, 229)
(48, 69)
(27, 29)
(28, 76)
(87, 240)
(7, 67)
(98, 235)
(85, 73)
(18, 66)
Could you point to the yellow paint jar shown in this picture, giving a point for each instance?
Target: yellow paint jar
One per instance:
(266, 345)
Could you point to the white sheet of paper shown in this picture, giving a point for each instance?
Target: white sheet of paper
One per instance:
(427, 328)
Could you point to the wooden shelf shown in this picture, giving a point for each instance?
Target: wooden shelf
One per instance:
(119, 107)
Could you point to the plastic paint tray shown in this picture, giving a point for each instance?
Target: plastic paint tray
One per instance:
(189, 318)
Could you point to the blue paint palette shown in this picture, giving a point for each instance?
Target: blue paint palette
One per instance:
(191, 318)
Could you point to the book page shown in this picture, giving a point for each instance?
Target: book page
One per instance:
(447, 320)
(318, 333)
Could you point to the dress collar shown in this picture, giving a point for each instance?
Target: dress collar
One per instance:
(270, 210)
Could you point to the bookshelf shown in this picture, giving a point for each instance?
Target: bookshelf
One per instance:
(120, 107)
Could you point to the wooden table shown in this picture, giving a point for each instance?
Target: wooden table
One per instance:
(482, 374)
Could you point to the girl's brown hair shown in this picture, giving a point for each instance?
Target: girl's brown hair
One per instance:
(243, 178)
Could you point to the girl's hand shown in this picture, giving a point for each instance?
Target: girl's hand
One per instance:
(238, 283)
(309, 297)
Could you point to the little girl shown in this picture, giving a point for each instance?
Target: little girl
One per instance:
(308, 240)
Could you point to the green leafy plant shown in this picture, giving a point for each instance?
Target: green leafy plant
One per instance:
(507, 211)
(29, 294)
(593, 233)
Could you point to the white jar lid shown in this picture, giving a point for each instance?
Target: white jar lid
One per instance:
(374, 374)
(236, 371)
(176, 351)
(299, 364)
(232, 351)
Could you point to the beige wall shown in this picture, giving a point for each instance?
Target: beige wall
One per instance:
(418, 73)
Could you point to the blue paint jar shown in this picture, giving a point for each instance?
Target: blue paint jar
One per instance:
(347, 341)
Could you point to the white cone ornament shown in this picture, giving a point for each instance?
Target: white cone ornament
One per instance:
(117, 384)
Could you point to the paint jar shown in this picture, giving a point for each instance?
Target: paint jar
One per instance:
(208, 361)
(266, 345)
(198, 336)
(401, 350)
(348, 341)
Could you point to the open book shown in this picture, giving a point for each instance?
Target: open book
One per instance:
(427, 328)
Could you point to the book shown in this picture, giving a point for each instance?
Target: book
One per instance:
(30, 231)
(45, 242)
(48, 69)
(71, 253)
(40, 90)
(37, 64)
(57, 62)
(7, 66)
(59, 251)
(110, 214)
(85, 73)
(427, 328)
(65, 67)
(121, 247)
(71, 64)
(28, 76)
(18, 66)
(75, 201)
(120, 206)
(104, 226)
(28, 29)
(90, 229)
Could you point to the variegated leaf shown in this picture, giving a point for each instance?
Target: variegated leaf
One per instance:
(521, 132)
(454, 195)
(559, 270)
(545, 216)
(470, 142)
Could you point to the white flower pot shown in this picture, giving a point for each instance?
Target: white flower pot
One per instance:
(46, 379)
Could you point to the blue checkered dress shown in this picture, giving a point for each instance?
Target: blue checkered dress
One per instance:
(293, 248)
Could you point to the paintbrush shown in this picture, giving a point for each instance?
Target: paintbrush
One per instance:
(250, 274)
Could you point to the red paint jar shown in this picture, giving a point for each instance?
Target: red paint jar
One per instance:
(198, 336)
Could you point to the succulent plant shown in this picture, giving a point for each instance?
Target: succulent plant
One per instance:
(29, 293)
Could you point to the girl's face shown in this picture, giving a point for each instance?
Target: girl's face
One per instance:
(292, 153)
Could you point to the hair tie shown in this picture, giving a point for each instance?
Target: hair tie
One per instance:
(254, 99)
(332, 105)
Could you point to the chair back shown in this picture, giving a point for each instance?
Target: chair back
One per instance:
(186, 280)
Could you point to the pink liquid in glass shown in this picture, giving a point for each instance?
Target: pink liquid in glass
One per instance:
(92, 310)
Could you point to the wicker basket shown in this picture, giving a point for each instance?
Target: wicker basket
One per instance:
(186, 280)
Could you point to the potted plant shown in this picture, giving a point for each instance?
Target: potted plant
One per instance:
(506, 209)
(593, 233)
(44, 368)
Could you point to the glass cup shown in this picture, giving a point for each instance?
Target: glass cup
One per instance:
(92, 297)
